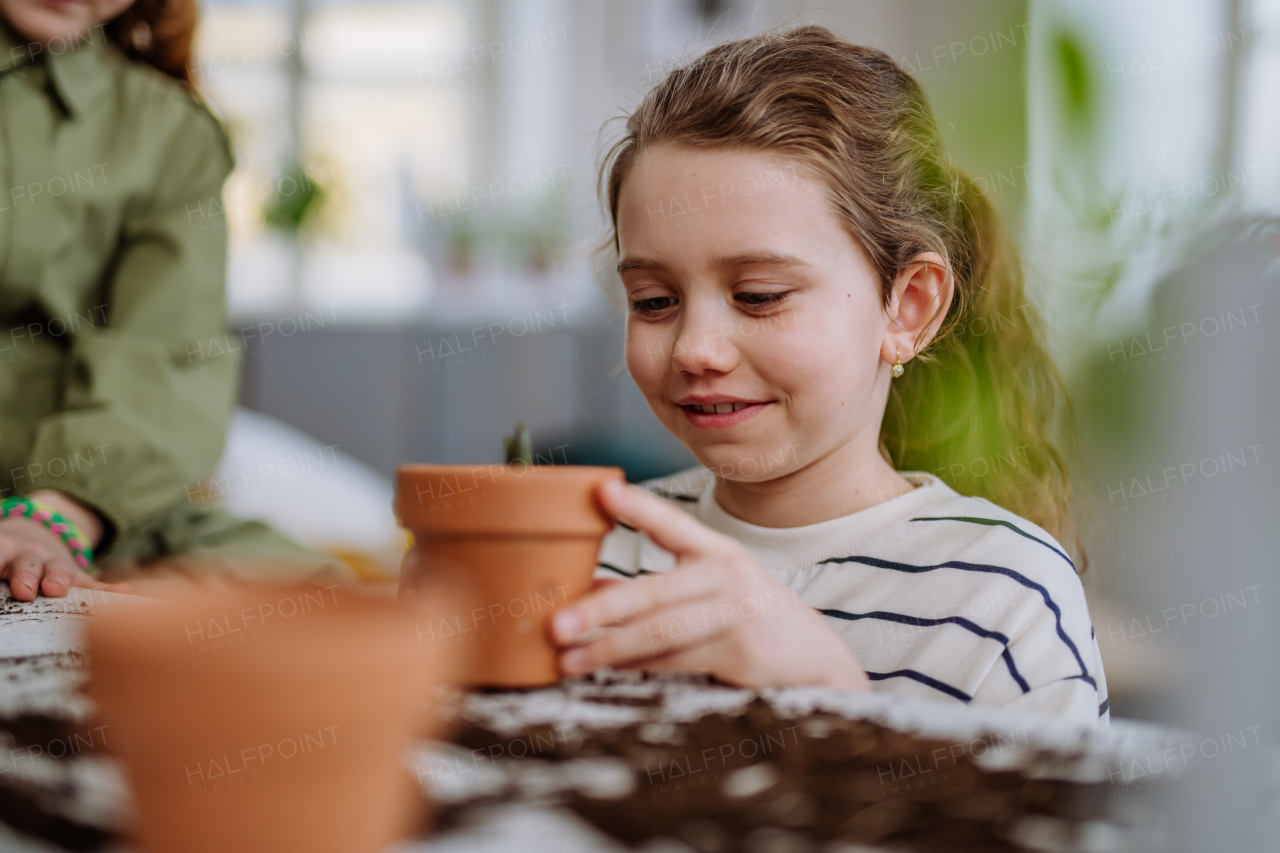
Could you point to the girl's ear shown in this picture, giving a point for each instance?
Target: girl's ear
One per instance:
(921, 296)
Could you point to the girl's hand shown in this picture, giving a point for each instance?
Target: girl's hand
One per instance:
(34, 560)
(718, 611)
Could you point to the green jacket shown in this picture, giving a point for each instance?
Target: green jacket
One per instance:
(112, 294)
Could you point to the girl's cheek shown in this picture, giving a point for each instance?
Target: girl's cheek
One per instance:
(648, 354)
(785, 356)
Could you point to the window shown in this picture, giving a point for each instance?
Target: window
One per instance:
(341, 126)
(1259, 113)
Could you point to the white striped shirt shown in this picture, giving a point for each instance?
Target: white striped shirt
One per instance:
(940, 596)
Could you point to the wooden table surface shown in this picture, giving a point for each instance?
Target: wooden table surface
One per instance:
(618, 761)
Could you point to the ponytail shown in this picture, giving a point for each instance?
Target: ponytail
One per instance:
(983, 407)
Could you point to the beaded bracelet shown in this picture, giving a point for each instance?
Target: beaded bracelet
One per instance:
(19, 507)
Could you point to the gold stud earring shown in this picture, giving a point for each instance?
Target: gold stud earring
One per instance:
(897, 367)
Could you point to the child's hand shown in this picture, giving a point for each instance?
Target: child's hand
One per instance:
(34, 560)
(717, 612)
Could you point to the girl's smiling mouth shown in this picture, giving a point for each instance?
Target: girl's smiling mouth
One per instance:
(711, 412)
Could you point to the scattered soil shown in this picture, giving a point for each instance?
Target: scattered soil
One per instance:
(21, 811)
(38, 730)
(758, 780)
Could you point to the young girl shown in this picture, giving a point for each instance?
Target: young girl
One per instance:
(112, 252)
(823, 311)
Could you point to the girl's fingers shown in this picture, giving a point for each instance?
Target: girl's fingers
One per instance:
(702, 659)
(82, 579)
(600, 583)
(57, 577)
(669, 526)
(618, 602)
(662, 634)
(24, 578)
(86, 581)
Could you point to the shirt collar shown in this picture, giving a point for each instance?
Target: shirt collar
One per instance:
(790, 549)
(78, 68)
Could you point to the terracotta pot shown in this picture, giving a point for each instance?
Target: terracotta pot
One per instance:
(265, 718)
(525, 539)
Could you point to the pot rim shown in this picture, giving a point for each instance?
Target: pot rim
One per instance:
(538, 470)
(534, 501)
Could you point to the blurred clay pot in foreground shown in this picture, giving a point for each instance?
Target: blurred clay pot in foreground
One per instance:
(265, 718)
(525, 541)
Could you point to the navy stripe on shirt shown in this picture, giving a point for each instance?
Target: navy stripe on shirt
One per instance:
(923, 679)
(921, 622)
(611, 567)
(979, 567)
(991, 522)
(692, 499)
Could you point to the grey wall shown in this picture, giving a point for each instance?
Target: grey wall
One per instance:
(449, 393)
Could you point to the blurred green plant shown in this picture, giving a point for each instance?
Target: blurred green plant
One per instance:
(295, 200)
(1114, 234)
(533, 235)
(462, 243)
(1114, 225)
(1076, 89)
(537, 237)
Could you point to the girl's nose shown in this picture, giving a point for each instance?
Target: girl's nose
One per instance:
(705, 348)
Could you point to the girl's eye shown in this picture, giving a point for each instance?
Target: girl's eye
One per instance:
(653, 305)
(759, 300)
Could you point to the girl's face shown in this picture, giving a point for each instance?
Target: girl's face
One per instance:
(43, 21)
(756, 330)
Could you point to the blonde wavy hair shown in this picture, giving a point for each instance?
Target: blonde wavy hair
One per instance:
(982, 406)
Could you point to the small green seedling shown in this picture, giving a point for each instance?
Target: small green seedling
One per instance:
(519, 446)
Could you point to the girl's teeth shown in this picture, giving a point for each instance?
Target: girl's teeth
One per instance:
(720, 408)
